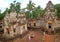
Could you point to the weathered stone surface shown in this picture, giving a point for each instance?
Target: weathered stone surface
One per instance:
(14, 25)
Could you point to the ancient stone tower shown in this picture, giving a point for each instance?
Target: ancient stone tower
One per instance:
(14, 24)
(22, 23)
(50, 16)
(10, 24)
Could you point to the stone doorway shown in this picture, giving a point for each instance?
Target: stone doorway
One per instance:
(34, 24)
(49, 25)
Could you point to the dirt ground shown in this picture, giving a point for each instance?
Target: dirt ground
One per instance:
(38, 37)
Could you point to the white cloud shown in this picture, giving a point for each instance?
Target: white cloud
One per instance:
(43, 3)
(24, 3)
(4, 4)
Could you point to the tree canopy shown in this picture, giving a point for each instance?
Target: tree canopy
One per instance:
(31, 10)
(57, 7)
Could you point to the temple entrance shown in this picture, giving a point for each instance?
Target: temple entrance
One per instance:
(49, 25)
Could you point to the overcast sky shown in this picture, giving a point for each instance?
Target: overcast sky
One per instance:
(6, 3)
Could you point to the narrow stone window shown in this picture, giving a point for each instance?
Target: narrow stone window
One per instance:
(14, 22)
(24, 28)
(1, 31)
(34, 24)
(0, 26)
(14, 30)
(29, 24)
(7, 30)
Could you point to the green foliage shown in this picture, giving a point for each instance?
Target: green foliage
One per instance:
(2, 16)
(27, 14)
(38, 10)
(12, 5)
(30, 6)
(35, 12)
(6, 11)
(57, 6)
(42, 12)
(17, 7)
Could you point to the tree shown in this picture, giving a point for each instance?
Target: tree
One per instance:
(12, 6)
(2, 16)
(6, 11)
(27, 14)
(30, 7)
(18, 7)
(38, 10)
(57, 7)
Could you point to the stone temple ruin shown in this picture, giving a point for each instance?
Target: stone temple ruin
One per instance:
(16, 24)
(49, 20)
(50, 16)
